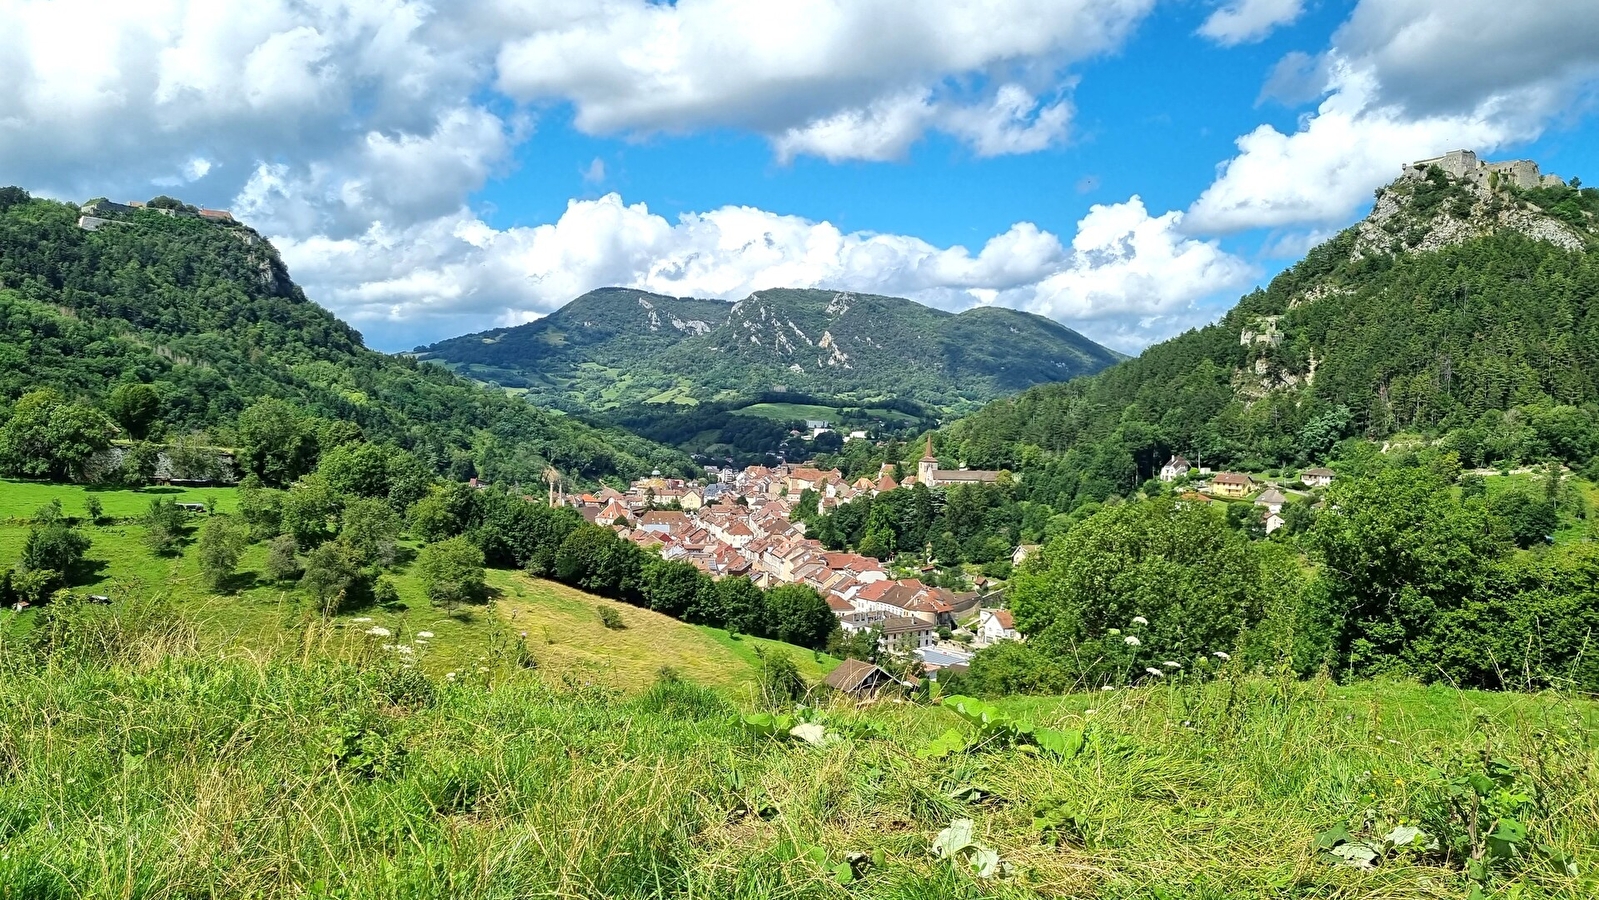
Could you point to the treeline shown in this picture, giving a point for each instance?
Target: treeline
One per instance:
(975, 523)
(1415, 574)
(556, 543)
(207, 317)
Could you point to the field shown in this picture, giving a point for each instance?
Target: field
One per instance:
(260, 618)
(789, 412)
(134, 764)
(567, 639)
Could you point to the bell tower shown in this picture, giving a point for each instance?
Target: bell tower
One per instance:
(927, 469)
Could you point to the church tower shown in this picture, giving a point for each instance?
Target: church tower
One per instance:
(927, 469)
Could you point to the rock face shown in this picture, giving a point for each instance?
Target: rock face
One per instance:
(1454, 198)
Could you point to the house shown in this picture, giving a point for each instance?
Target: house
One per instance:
(217, 215)
(996, 625)
(1274, 521)
(1231, 484)
(1022, 553)
(1175, 468)
(1272, 499)
(860, 679)
(906, 632)
(1316, 477)
(661, 521)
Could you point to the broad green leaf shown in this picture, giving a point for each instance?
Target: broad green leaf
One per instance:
(954, 839)
(951, 741)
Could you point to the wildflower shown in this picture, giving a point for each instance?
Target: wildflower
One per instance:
(1131, 641)
(449, 676)
(1172, 665)
(378, 631)
(1153, 671)
(361, 619)
(1114, 632)
(1108, 687)
(404, 650)
(482, 668)
(1222, 655)
(1140, 620)
(424, 634)
(1090, 711)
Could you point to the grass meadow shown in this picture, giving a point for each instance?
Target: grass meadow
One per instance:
(181, 743)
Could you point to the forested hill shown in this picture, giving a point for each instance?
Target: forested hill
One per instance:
(617, 346)
(205, 312)
(1459, 310)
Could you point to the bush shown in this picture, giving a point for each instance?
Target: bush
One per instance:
(610, 618)
(781, 682)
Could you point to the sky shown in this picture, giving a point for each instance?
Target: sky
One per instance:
(1126, 167)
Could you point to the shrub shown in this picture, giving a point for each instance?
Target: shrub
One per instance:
(610, 618)
(280, 562)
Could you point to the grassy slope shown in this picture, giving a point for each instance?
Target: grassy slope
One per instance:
(260, 618)
(136, 776)
(566, 637)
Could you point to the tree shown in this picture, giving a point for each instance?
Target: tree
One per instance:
(138, 464)
(278, 443)
(281, 564)
(49, 437)
(135, 407)
(308, 510)
(222, 541)
(795, 613)
(1527, 516)
(1198, 586)
(333, 577)
(451, 573)
(371, 527)
(92, 508)
(1398, 551)
(54, 547)
(165, 526)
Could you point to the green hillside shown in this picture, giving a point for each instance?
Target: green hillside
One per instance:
(617, 347)
(138, 765)
(1465, 313)
(206, 313)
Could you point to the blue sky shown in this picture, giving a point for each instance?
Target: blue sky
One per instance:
(1127, 167)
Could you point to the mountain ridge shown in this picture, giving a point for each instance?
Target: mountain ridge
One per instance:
(855, 345)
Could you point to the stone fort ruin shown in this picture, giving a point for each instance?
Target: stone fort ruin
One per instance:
(1464, 165)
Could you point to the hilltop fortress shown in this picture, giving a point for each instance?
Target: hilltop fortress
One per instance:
(1464, 165)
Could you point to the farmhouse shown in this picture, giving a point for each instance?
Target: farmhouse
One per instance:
(1316, 477)
(1175, 468)
(1231, 484)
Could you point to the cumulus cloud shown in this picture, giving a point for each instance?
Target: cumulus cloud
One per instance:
(1403, 80)
(1125, 277)
(1246, 21)
(862, 80)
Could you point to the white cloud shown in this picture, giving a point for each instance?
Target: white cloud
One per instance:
(1247, 21)
(862, 80)
(1404, 80)
(595, 172)
(1126, 277)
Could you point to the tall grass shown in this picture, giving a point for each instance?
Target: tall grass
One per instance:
(134, 765)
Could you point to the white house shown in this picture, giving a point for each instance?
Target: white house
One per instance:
(1175, 468)
(1272, 499)
(1274, 521)
(996, 625)
(904, 632)
(1021, 553)
(1316, 477)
